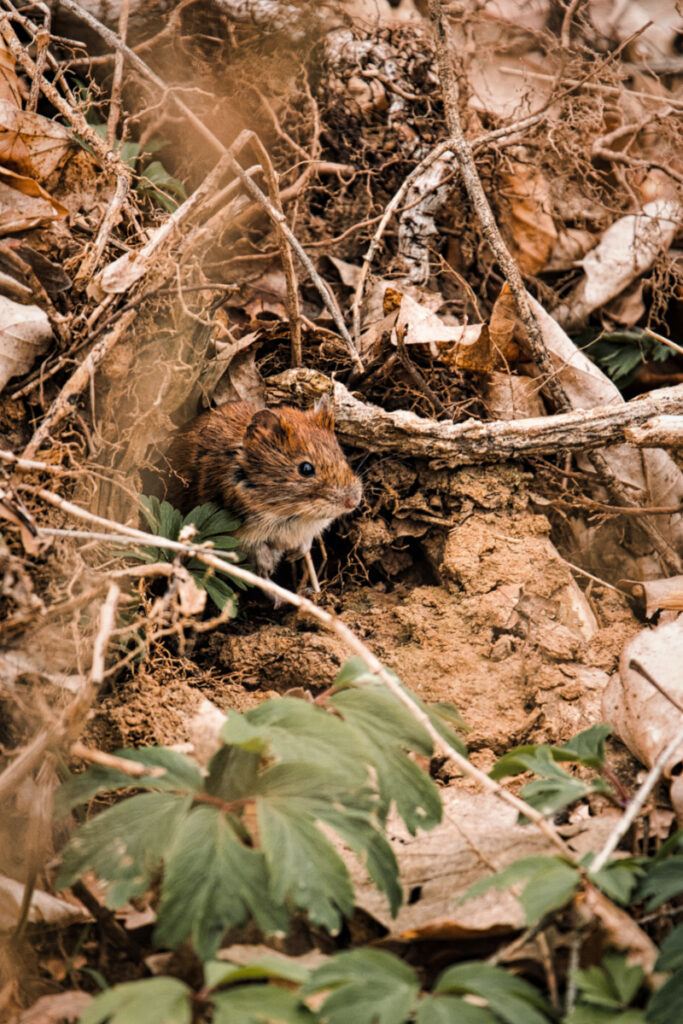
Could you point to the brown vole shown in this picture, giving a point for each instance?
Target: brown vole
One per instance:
(281, 471)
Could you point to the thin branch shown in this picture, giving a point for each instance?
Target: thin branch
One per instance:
(115, 99)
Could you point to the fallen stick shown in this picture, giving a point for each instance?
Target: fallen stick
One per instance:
(459, 444)
(658, 432)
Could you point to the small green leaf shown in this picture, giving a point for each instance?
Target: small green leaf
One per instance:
(618, 879)
(551, 883)
(258, 1004)
(452, 1010)
(588, 747)
(597, 1015)
(671, 951)
(148, 1001)
(514, 1000)
(665, 1005)
(280, 968)
(663, 882)
(368, 986)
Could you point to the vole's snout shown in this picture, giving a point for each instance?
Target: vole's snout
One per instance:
(352, 495)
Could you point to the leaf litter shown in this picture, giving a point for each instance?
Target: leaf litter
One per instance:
(461, 580)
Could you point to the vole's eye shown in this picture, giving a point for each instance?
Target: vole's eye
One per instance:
(306, 469)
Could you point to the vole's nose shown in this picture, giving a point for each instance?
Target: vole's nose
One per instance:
(353, 495)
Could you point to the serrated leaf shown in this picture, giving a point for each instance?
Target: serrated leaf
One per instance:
(588, 747)
(663, 882)
(596, 988)
(596, 1015)
(550, 794)
(665, 1005)
(360, 833)
(232, 773)
(221, 972)
(211, 520)
(287, 726)
(618, 879)
(369, 987)
(179, 773)
(303, 865)
(257, 1004)
(538, 758)
(626, 978)
(550, 884)
(671, 951)
(148, 1001)
(514, 1000)
(220, 593)
(124, 844)
(354, 672)
(213, 882)
(452, 1010)
(376, 713)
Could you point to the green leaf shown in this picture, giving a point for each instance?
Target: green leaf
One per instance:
(287, 726)
(626, 979)
(232, 773)
(369, 987)
(514, 1000)
(354, 672)
(665, 1005)
(220, 593)
(596, 1015)
(452, 1010)
(124, 844)
(304, 867)
(359, 832)
(148, 1001)
(258, 1004)
(549, 795)
(613, 985)
(588, 747)
(213, 882)
(129, 153)
(663, 882)
(618, 879)
(671, 951)
(179, 773)
(280, 968)
(551, 883)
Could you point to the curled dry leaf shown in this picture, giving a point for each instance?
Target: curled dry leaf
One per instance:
(30, 143)
(9, 82)
(644, 719)
(25, 333)
(24, 204)
(44, 907)
(627, 249)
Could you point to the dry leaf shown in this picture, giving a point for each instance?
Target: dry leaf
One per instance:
(571, 245)
(644, 719)
(44, 908)
(25, 334)
(525, 216)
(463, 346)
(30, 143)
(619, 928)
(627, 249)
(9, 83)
(25, 204)
(442, 864)
(509, 397)
(56, 1009)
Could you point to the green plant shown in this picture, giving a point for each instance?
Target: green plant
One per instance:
(621, 353)
(211, 525)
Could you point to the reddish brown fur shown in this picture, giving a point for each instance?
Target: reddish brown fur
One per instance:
(247, 459)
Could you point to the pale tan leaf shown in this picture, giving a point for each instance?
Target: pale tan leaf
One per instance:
(24, 204)
(525, 216)
(9, 83)
(56, 1009)
(25, 334)
(44, 908)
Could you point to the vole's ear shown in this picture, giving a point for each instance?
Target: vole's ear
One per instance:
(265, 424)
(324, 412)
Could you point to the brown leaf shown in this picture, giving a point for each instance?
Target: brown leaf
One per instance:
(9, 83)
(525, 217)
(25, 204)
(55, 1009)
(25, 333)
(30, 143)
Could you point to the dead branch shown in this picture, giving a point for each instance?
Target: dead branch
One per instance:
(459, 444)
(660, 431)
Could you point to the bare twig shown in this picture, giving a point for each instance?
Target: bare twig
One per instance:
(107, 619)
(109, 222)
(115, 99)
(119, 764)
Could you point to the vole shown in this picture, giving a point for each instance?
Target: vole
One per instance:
(281, 471)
